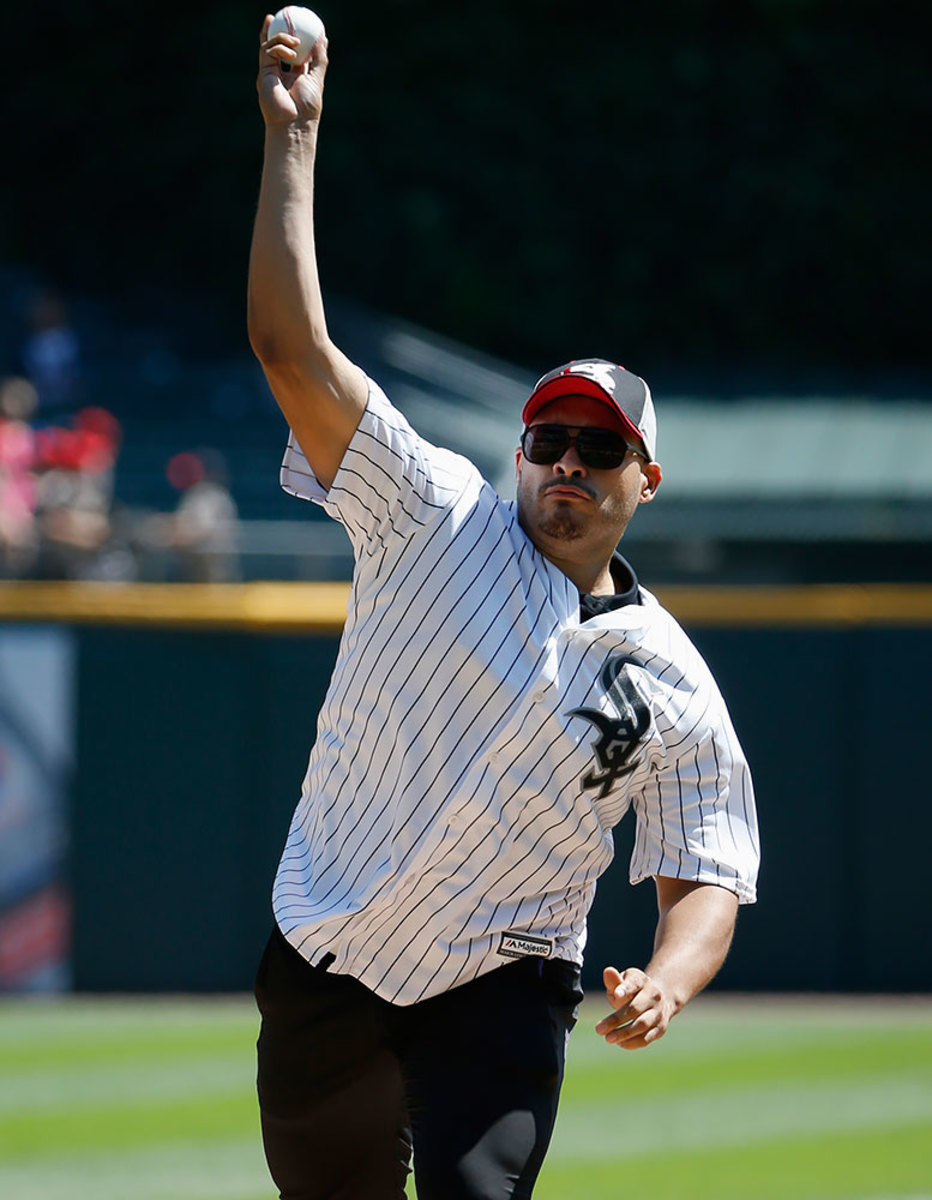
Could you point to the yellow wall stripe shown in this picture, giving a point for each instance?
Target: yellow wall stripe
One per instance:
(321, 607)
(262, 607)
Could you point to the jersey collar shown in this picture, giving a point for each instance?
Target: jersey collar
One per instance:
(626, 591)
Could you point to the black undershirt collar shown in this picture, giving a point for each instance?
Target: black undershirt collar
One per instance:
(626, 591)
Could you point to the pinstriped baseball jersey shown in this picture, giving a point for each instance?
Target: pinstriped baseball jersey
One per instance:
(478, 741)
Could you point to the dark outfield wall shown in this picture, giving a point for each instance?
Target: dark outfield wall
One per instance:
(191, 750)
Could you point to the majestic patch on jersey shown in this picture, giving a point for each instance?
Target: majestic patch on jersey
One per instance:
(619, 735)
(521, 945)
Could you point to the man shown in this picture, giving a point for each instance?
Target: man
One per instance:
(504, 692)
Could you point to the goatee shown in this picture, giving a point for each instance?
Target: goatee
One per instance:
(561, 526)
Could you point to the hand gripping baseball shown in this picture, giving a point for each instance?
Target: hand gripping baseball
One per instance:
(288, 93)
(642, 1010)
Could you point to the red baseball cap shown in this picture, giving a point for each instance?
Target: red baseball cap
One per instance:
(626, 394)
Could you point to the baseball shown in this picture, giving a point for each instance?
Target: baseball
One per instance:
(300, 23)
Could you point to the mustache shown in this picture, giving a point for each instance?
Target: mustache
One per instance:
(574, 483)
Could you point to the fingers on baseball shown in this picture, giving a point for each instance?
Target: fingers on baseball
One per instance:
(283, 48)
(281, 52)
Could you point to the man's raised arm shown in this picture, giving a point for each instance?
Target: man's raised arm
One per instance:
(322, 394)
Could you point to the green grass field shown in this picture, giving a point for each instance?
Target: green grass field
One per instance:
(749, 1099)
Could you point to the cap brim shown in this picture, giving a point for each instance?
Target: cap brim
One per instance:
(576, 385)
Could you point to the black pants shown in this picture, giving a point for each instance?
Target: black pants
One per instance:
(349, 1084)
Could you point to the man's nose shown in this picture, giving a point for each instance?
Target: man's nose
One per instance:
(569, 462)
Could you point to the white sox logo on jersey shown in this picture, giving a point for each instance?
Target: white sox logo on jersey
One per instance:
(619, 734)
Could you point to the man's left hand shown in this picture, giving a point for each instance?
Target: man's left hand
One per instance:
(642, 1009)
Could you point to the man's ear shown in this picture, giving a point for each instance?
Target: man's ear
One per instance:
(651, 476)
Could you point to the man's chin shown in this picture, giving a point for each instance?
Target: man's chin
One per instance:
(560, 525)
(560, 529)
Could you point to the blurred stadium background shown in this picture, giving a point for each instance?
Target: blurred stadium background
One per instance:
(733, 200)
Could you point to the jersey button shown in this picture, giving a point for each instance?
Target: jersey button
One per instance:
(494, 756)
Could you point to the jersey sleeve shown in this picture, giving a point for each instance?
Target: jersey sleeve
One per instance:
(696, 815)
(390, 483)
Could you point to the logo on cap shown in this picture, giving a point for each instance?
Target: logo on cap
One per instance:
(602, 373)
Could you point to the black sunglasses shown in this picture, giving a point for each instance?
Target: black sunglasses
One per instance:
(600, 449)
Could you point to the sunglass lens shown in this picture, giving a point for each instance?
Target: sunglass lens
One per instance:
(600, 450)
(544, 445)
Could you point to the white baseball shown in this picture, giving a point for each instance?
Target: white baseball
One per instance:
(300, 23)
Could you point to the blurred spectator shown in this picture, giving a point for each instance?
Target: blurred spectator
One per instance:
(201, 531)
(75, 494)
(18, 538)
(52, 354)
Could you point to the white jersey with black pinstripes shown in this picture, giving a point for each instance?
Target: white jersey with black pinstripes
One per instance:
(478, 742)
